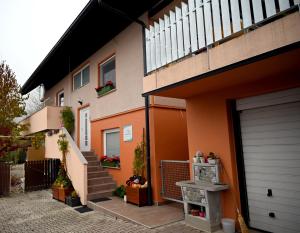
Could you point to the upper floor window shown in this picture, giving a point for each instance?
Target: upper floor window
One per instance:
(81, 78)
(107, 71)
(61, 99)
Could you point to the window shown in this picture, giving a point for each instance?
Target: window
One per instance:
(81, 78)
(107, 71)
(61, 99)
(111, 146)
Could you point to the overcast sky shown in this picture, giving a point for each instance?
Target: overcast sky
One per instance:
(30, 28)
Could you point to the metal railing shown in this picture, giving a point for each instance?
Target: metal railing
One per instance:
(201, 23)
(173, 171)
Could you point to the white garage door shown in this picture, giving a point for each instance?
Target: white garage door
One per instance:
(270, 127)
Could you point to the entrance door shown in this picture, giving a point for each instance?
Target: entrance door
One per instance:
(85, 130)
(271, 147)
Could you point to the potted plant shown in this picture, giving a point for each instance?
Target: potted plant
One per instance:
(73, 199)
(136, 189)
(212, 158)
(62, 186)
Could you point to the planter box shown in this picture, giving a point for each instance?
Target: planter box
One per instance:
(136, 196)
(60, 194)
(70, 201)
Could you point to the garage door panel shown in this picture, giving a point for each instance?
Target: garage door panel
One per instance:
(272, 163)
(275, 208)
(271, 120)
(272, 228)
(271, 141)
(273, 156)
(270, 111)
(275, 178)
(278, 134)
(270, 170)
(277, 192)
(273, 128)
(272, 148)
(272, 184)
(275, 199)
(280, 225)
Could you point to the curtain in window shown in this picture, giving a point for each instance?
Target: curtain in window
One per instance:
(113, 144)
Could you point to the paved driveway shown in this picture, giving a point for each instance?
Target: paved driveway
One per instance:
(38, 212)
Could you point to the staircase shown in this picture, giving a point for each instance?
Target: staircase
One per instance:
(100, 183)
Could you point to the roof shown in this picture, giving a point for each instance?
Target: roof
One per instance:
(92, 29)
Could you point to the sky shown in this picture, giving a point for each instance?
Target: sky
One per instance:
(30, 28)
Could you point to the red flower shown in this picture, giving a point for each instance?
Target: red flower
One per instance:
(98, 88)
(109, 83)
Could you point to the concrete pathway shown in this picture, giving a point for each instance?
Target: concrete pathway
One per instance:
(38, 212)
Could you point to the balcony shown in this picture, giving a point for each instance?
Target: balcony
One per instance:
(44, 119)
(205, 35)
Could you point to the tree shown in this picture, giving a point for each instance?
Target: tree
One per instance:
(12, 105)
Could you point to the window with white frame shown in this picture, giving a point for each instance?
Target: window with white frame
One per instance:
(61, 99)
(111, 148)
(107, 72)
(81, 78)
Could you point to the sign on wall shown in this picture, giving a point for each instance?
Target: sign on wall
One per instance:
(127, 133)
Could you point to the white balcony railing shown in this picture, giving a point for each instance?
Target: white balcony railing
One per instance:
(201, 23)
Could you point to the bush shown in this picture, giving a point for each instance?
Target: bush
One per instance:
(120, 191)
(67, 118)
(16, 157)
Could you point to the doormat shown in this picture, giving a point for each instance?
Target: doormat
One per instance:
(83, 209)
(100, 199)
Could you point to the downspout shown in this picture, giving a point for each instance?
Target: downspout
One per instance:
(143, 25)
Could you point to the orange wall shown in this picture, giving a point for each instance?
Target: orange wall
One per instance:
(210, 127)
(168, 141)
(137, 120)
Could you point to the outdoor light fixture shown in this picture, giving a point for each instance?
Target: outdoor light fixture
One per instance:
(80, 101)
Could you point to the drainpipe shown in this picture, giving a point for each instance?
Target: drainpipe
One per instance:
(149, 189)
(143, 25)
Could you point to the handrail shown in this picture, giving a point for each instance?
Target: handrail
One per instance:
(74, 146)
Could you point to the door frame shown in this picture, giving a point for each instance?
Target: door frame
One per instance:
(239, 156)
(78, 123)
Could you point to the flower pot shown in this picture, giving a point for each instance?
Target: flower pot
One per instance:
(211, 161)
(136, 196)
(60, 193)
(195, 159)
(73, 201)
(202, 160)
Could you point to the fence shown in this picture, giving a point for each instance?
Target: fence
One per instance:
(173, 171)
(40, 174)
(201, 23)
(4, 178)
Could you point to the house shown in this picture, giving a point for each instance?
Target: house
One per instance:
(235, 63)
(102, 51)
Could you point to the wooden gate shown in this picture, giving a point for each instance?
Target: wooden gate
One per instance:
(4, 178)
(40, 174)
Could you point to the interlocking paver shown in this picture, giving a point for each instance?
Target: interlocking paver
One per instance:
(37, 212)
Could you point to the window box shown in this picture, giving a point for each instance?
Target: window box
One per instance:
(107, 88)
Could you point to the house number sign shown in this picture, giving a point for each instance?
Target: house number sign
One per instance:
(127, 133)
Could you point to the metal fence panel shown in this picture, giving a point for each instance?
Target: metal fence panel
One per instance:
(173, 171)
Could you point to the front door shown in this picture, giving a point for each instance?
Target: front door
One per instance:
(85, 130)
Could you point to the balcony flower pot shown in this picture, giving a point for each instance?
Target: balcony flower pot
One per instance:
(136, 195)
(73, 201)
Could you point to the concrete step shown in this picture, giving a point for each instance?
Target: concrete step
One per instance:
(97, 174)
(94, 168)
(101, 187)
(99, 194)
(91, 158)
(93, 163)
(100, 180)
(88, 153)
